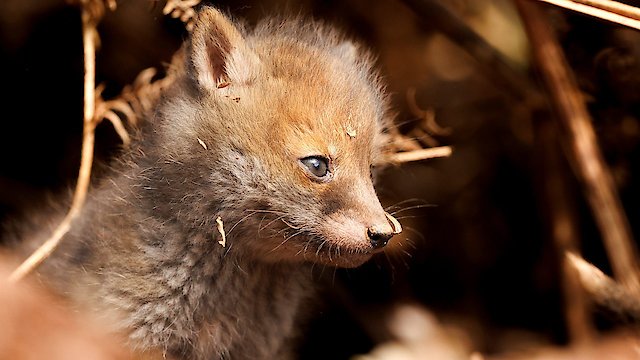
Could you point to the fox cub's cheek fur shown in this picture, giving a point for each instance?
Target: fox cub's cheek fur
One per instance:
(301, 127)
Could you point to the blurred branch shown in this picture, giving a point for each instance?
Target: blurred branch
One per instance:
(614, 7)
(603, 289)
(581, 143)
(491, 62)
(603, 9)
(183, 10)
(557, 200)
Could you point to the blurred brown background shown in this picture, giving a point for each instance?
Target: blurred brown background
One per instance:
(476, 250)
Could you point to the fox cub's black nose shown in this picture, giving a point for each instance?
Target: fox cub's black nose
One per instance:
(378, 238)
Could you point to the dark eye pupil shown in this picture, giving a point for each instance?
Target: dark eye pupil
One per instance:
(318, 166)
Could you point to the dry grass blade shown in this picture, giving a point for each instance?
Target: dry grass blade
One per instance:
(134, 103)
(420, 154)
(139, 98)
(607, 10)
(141, 94)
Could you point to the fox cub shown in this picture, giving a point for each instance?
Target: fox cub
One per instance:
(267, 136)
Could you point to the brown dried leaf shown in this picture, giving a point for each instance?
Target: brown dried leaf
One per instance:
(222, 242)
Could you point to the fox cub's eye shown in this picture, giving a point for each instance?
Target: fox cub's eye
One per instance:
(317, 166)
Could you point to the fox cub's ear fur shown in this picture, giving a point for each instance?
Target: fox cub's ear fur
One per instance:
(219, 53)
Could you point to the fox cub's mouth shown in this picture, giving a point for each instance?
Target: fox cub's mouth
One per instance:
(339, 244)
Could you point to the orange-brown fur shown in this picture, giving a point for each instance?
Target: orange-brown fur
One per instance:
(227, 141)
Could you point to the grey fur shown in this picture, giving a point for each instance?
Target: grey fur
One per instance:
(144, 254)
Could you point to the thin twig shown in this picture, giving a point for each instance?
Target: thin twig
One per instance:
(89, 34)
(421, 154)
(118, 126)
(581, 143)
(605, 13)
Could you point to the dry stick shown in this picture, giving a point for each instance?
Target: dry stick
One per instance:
(88, 139)
(603, 289)
(557, 200)
(609, 14)
(614, 7)
(421, 154)
(582, 146)
(89, 36)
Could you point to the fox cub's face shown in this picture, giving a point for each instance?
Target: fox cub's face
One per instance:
(292, 117)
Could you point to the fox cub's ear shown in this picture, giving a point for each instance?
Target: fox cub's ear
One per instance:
(219, 53)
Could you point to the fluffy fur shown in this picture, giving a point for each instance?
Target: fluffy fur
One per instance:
(225, 141)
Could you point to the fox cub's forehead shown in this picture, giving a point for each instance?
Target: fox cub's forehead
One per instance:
(321, 65)
(318, 89)
(321, 116)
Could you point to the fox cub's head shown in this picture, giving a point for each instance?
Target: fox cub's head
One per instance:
(285, 122)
